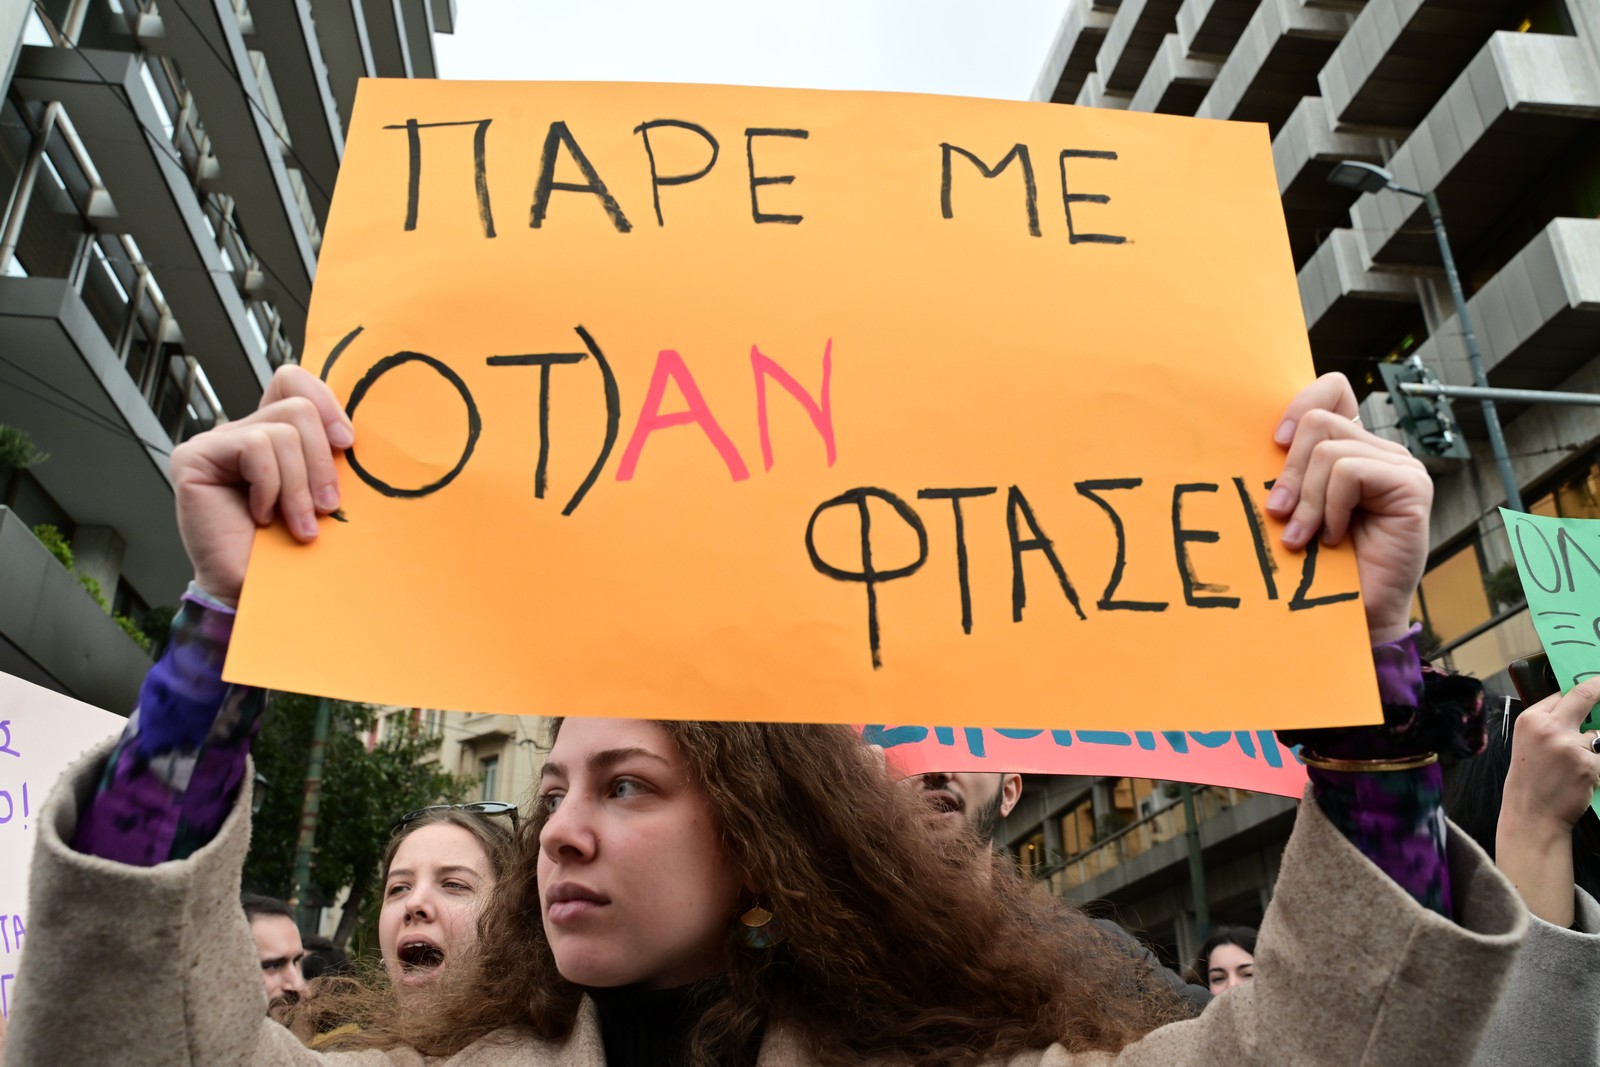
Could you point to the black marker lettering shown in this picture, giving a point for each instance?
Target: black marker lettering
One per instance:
(868, 575)
(756, 213)
(1089, 489)
(1258, 536)
(613, 419)
(1564, 541)
(956, 496)
(474, 422)
(1017, 506)
(1527, 564)
(1182, 537)
(1308, 571)
(1068, 199)
(559, 137)
(657, 180)
(480, 168)
(544, 361)
(1018, 151)
(338, 350)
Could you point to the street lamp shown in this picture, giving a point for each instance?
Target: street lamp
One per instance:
(1370, 178)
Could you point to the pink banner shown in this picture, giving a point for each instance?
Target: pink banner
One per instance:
(1243, 759)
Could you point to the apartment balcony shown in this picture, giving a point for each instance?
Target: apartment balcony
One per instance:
(1350, 310)
(1078, 40)
(286, 34)
(1274, 63)
(1521, 104)
(53, 634)
(1151, 851)
(205, 39)
(1175, 83)
(1537, 320)
(1095, 94)
(376, 39)
(401, 33)
(1303, 152)
(118, 122)
(108, 448)
(1401, 55)
(1132, 40)
(1213, 27)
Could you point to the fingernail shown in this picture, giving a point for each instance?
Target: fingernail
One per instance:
(1285, 432)
(328, 498)
(341, 436)
(308, 526)
(1294, 533)
(1279, 498)
(1327, 537)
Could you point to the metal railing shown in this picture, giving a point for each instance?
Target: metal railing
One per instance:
(1137, 838)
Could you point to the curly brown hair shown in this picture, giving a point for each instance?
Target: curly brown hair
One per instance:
(896, 942)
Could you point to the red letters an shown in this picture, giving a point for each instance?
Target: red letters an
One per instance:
(821, 415)
(670, 365)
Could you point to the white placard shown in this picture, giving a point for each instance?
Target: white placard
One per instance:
(41, 734)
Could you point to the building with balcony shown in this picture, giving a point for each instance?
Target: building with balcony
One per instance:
(1493, 106)
(166, 168)
(1122, 848)
(505, 753)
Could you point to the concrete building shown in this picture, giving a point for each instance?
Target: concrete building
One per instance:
(503, 752)
(1492, 105)
(165, 168)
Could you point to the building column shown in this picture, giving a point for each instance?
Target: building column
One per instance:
(97, 551)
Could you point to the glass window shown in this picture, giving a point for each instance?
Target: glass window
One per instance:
(1077, 828)
(490, 769)
(1453, 595)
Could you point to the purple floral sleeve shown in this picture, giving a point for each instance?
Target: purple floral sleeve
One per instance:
(1396, 818)
(177, 769)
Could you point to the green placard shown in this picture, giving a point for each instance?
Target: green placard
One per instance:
(1558, 560)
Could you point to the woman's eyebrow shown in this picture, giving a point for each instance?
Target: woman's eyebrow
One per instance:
(601, 760)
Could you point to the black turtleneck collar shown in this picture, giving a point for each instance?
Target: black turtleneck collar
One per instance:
(650, 1027)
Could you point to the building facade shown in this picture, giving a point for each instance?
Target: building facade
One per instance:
(504, 753)
(1494, 107)
(166, 168)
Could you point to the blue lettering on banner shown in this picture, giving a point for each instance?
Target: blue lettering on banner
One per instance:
(1258, 744)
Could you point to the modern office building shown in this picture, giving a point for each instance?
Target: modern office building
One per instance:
(1494, 107)
(165, 173)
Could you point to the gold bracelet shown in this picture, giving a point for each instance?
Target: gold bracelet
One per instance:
(1405, 763)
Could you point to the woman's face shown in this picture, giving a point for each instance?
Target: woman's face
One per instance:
(634, 885)
(438, 880)
(1229, 966)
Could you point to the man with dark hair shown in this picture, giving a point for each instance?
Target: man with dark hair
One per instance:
(278, 947)
(973, 800)
(976, 801)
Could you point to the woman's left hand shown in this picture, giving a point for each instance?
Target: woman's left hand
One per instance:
(1551, 780)
(1341, 481)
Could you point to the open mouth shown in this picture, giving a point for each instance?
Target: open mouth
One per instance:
(419, 956)
(942, 803)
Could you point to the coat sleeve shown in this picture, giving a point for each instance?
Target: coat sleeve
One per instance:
(126, 964)
(1351, 970)
(1547, 1014)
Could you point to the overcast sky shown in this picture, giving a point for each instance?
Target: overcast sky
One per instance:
(991, 48)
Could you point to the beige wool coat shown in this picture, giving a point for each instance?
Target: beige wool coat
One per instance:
(127, 965)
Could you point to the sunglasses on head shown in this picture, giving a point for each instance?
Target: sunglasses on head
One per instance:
(487, 808)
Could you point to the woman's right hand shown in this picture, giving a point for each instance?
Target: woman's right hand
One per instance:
(1548, 787)
(245, 473)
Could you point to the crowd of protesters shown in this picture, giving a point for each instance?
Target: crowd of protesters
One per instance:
(740, 893)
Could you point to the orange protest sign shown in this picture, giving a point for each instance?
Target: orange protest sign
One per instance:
(694, 402)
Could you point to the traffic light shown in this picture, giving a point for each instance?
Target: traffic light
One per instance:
(1429, 426)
